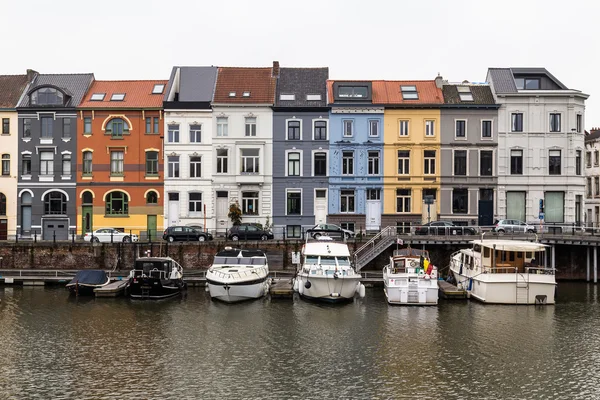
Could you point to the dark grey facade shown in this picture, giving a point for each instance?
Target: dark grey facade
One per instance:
(48, 156)
(469, 141)
(300, 150)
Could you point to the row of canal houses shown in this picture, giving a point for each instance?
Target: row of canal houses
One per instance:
(290, 146)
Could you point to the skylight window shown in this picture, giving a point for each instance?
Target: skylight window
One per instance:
(97, 96)
(246, 94)
(231, 94)
(313, 97)
(117, 97)
(289, 97)
(464, 92)
(158, 88)
(409, 92)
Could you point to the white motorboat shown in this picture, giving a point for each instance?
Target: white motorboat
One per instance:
(505, 272)
(326, 273)
(238, 275)
(410, 278)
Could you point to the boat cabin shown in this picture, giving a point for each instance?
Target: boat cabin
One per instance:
(154, 267)
(233, 258)
(506, 256)
(407, 260)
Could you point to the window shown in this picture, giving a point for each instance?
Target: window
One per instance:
(516, 122)
(250, 203)
(287, 97)
(554, 162)
(26, 164)
(47, 127)
(117, 97)
(588, 187)
(293, 231)
(195, 133)
(156, 128)
(231, 94)
(486, 129)
(222, 161)
(579, 123)
(116, 163)
(588, 159)
(26, 127)
(148, 124)
(320, 130)
(294, 203)
(117, 127)
(246, 94)
(554, 122)
(250, 126)
(158, 88)
(403, 200)
(409, 92)
(6, 126)
(66, 128)
(347, 201)
(460, 201)
(152, 163)
(173, 166)
(347, 225)
(87, 162)
(313, 97)
(250, 161)
(353, 92)
(516, 162)
(66, 164)
(373, 128)
(403, 130)
(293, 130)
(195, 204)
(347, 163)
(87, 125)
(222, 127)
(173, 133)
(46, 97)
(195, 167)
(527, 83)
(464, 92)
(2, 204)
(348, 127)
(596, 186)
(486, 194)
(320, 164)
(117, 203)
(97, 96)
(373, 163)
(46, 163)
(577, 162)
(429, 157)
(596, 158)
(460, 162)
(430, 128)
(373, 194)
(152, 197)
(55, 203)
(554, 207)
(461, 128)
(403, 162)
(486, 162)
(5, 164)
(293, 168)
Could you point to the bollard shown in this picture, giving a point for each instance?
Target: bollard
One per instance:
(54, 236)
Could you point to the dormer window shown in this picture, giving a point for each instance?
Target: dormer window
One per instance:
(117, 97)
(464, 92)
(409, 92)
(97, 96)
(287, 97)
(353, 92)
(231, 94)
(246, 94)
(47, 97)
(158, 88)
(527, 83)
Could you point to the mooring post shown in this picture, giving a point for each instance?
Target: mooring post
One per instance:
(553, 259)
(588, 264)
(595, 264)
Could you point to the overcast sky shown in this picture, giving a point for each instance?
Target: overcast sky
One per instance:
(375, 39)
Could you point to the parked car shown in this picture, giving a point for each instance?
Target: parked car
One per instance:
(109, 235)
(185, 233)
(249, 231)
(329, 230)
(513, 226)
(444, 228)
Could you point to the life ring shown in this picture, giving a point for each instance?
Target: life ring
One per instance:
(414, 263)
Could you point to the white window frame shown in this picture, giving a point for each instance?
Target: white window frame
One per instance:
(378, 162)
(405, 171)
(312, 161)
(251, 125)
(301, 200)
(348, 197)
(466, 129)
(195, 213)
(178, 163)
(404, 197)
(314, 130)
(467, 161)
(403, 127)
(452, 200)
(218, 158)
(193, 163)
(348, 173)
(510, 124)
(430, 127)
(523, 156)
(197, 132)
(479, 163)
(176, 133)
(287, 121)
(491, 121)
(347, 121)
(222, 129)
(256, 162)
(430, 161)
(560, 122)
(377, 124)
(254, 200)
(287, 152)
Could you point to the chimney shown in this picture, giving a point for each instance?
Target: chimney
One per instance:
(439, 81)
(31, 74)
(276, 69)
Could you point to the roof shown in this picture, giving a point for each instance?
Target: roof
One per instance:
(510, 245)
(482, 94)
(320, 248)
(538, 71)
(11, 89)
(74, 84)
(195, 84)
(138, 94)
(258, 82)
(593, 135)
(302, 82)
(388, 92)
(503, 80)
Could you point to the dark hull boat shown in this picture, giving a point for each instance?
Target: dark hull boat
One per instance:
(155, 278)
(85, 281)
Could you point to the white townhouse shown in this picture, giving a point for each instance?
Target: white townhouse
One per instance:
(592, 177)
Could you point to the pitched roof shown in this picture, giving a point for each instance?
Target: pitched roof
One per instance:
(538, 71)
(74, 84)
(138, 94)
(301, 82)
(482, 94)
(258, 82)
(194, 84)
(389, 92)
(11, 89)
(593, 135)
(503, 80)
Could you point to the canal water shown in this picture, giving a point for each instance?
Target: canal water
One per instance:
(53, 346)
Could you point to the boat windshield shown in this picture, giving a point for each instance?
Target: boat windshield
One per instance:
(312, 260)
(240, 260)
(343, 261)
(327, 260)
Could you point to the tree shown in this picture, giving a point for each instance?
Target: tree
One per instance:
(235, 213)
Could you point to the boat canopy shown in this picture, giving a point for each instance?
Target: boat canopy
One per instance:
(148, 264)
(239, 260)
(231, 252)
(90, 277)
(510, 245)
(326, 249)
(410, 252)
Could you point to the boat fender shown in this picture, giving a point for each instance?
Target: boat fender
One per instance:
(335, 275)
(307, 284)
(296, 285)
(361, 291)
(301, 289)
(206, 288)
(427, 277)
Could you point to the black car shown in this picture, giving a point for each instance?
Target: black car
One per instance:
(185, 233)
(249, 231)
(444, 228)
(329, 230)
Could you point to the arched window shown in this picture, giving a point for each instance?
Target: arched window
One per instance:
(152, 198)
(5, 164)
(47, 97)
(55, 203)
(2, 204)
(116, 127)
(117, 203)
(87, 198)
(26, 199)
(87, 163)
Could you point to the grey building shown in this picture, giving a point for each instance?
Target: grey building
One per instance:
(469, 140)
(300, 150)
(47, 116)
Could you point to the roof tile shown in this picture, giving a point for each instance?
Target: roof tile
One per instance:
(138, 94)
(388, 92)
(11, 89)
(258, 81)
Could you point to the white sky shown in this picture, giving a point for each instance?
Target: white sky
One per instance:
(375, 39)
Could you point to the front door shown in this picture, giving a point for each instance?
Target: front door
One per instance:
(222, 211)
(26, 221)
(173, 209)
(151, 227)
(320, 206)
(87, 219)
(373, 215)
(486, 213)
(3, 229)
